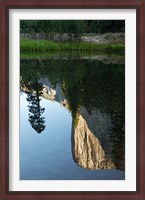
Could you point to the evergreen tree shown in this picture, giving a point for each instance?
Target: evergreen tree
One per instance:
(35, 110)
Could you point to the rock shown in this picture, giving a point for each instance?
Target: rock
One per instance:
(90, 142)
(104, 38)
(92, 38)
(52, 93)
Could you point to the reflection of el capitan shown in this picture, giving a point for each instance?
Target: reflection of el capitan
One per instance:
(92, 143)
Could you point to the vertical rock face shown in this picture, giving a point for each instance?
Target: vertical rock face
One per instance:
(51, 93)
(90, 141)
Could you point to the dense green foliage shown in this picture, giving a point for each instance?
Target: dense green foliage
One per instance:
(76, 27)
(80, 79)
(45, 45)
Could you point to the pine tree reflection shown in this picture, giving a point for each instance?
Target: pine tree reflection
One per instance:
(35, 111)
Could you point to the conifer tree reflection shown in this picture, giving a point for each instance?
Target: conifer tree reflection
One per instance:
(35, 110)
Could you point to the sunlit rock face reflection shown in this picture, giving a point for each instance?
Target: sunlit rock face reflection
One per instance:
(51, 93)
(90, 140)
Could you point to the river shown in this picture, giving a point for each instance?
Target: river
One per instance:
(72, 118)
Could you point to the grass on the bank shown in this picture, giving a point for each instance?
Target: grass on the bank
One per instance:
(45, 45)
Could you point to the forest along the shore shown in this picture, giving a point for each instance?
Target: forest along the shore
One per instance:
(73, 35)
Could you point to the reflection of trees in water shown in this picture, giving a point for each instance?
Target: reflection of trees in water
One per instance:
(35, 110)
(30, 75)
(117, 138)
(91, 84)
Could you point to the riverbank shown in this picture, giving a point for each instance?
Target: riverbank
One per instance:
(45, 45)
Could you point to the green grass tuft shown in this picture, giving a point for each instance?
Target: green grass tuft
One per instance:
(45, 46)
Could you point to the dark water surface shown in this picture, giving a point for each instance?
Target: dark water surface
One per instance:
(72, 118)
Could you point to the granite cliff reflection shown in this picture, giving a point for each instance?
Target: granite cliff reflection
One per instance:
(94, 145)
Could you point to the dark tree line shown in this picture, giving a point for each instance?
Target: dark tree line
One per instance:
(76, 27)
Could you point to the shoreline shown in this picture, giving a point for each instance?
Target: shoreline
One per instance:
(46, 45)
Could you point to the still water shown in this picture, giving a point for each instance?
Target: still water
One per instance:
(72, 119)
